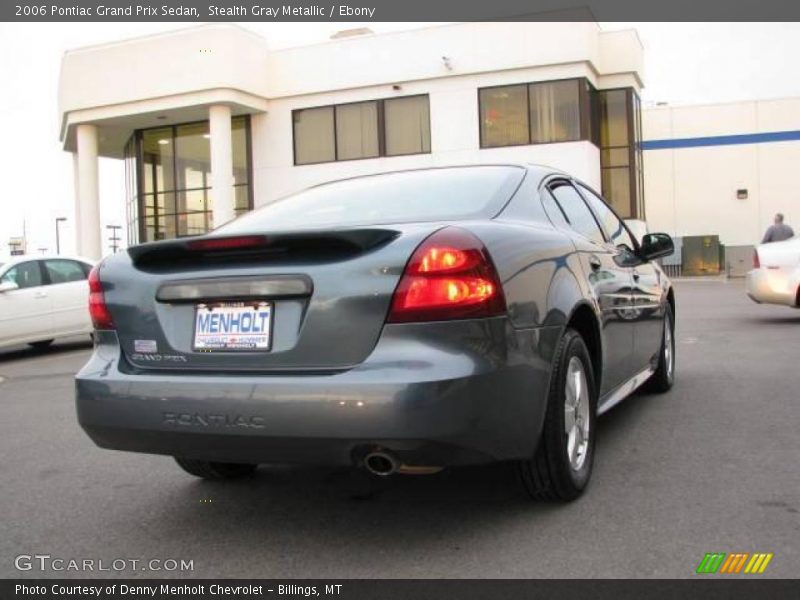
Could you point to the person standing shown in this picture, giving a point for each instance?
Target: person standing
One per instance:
(778, 231)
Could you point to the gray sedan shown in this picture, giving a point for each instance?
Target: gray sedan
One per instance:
(401, 323)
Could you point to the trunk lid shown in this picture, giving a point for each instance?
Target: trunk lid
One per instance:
(328, 294)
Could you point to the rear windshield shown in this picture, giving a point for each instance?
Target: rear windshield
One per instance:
(456, 193)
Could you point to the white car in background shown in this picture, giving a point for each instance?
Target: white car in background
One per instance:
(43, 298)
(775, 278)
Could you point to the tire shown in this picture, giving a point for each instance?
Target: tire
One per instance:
(215, 470)
(662, 380)
(552, 474)
(41, 344)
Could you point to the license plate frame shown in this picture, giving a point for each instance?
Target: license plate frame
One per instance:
(243, 305)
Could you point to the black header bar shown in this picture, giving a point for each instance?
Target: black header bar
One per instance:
(199, 11)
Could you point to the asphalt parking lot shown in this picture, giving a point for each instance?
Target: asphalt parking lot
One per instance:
(710, 466)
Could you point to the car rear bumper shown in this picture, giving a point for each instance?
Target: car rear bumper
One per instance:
(435, 395)
(771, 286)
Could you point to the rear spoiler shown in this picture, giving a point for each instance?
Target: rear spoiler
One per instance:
(310, 246)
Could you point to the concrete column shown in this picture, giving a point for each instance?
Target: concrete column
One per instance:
(87, 193)
(219, 117)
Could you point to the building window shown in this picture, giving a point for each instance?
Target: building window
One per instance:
(242, 165)
(171, 181)
(570, 110)
(357, 130)
(555, 111)
(372, 129)
(504, 116)
(620, 151)
(407, 125)
(314, 135)
(535, 113)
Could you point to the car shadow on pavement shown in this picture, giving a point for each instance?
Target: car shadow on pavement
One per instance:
(350, 504)
(24, 352)
(791, 319)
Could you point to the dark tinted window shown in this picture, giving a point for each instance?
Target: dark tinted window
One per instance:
(64, 271)
(25, 275)
(554, 211)
(613, 226)
(578, 214)
(424, 195)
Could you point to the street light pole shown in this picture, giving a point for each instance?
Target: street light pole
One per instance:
(114, 238)
(58, 240)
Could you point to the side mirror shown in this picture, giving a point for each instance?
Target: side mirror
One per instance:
(656, 245)
(8, 286)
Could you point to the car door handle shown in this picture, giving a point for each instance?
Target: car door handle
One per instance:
(636, 276)
(594, 262)
(40, 295)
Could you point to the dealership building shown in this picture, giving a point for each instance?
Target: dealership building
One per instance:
(716, 175)
(211, 123)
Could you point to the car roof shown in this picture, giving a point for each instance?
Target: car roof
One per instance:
(539, 171)
(14, 260)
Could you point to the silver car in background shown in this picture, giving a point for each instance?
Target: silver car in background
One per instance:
(775, 277)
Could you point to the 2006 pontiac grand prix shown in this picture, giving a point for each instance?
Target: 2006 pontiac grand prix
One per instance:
(401, 322)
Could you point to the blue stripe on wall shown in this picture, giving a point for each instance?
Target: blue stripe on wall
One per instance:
(722, 140)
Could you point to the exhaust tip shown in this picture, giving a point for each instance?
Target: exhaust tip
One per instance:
(380, 463)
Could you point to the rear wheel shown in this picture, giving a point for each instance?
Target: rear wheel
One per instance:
(562, 465)
(663, 378)
(41, 344)
(215, 470)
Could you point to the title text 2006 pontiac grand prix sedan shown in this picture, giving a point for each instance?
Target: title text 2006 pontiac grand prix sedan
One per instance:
(401, 322)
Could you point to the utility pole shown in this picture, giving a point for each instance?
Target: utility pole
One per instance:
(114, 238)
(59, 220)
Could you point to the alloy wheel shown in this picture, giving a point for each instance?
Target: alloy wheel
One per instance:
(576, 413)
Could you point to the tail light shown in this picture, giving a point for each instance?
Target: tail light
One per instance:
(101, 317)
(756, 261)
(450, 276)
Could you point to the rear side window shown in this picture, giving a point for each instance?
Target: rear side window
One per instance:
(64, 271)
(574, 208)
(447, 194)
(25, 275)
(614, 227)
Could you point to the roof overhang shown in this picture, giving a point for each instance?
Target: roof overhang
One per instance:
(116, 123)
(159, 80)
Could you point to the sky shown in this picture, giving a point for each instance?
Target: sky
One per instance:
(685, 63)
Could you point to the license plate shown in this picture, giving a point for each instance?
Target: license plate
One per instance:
(233, 326)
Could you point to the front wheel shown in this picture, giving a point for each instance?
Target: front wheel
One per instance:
(214, 470)
(562, 465)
